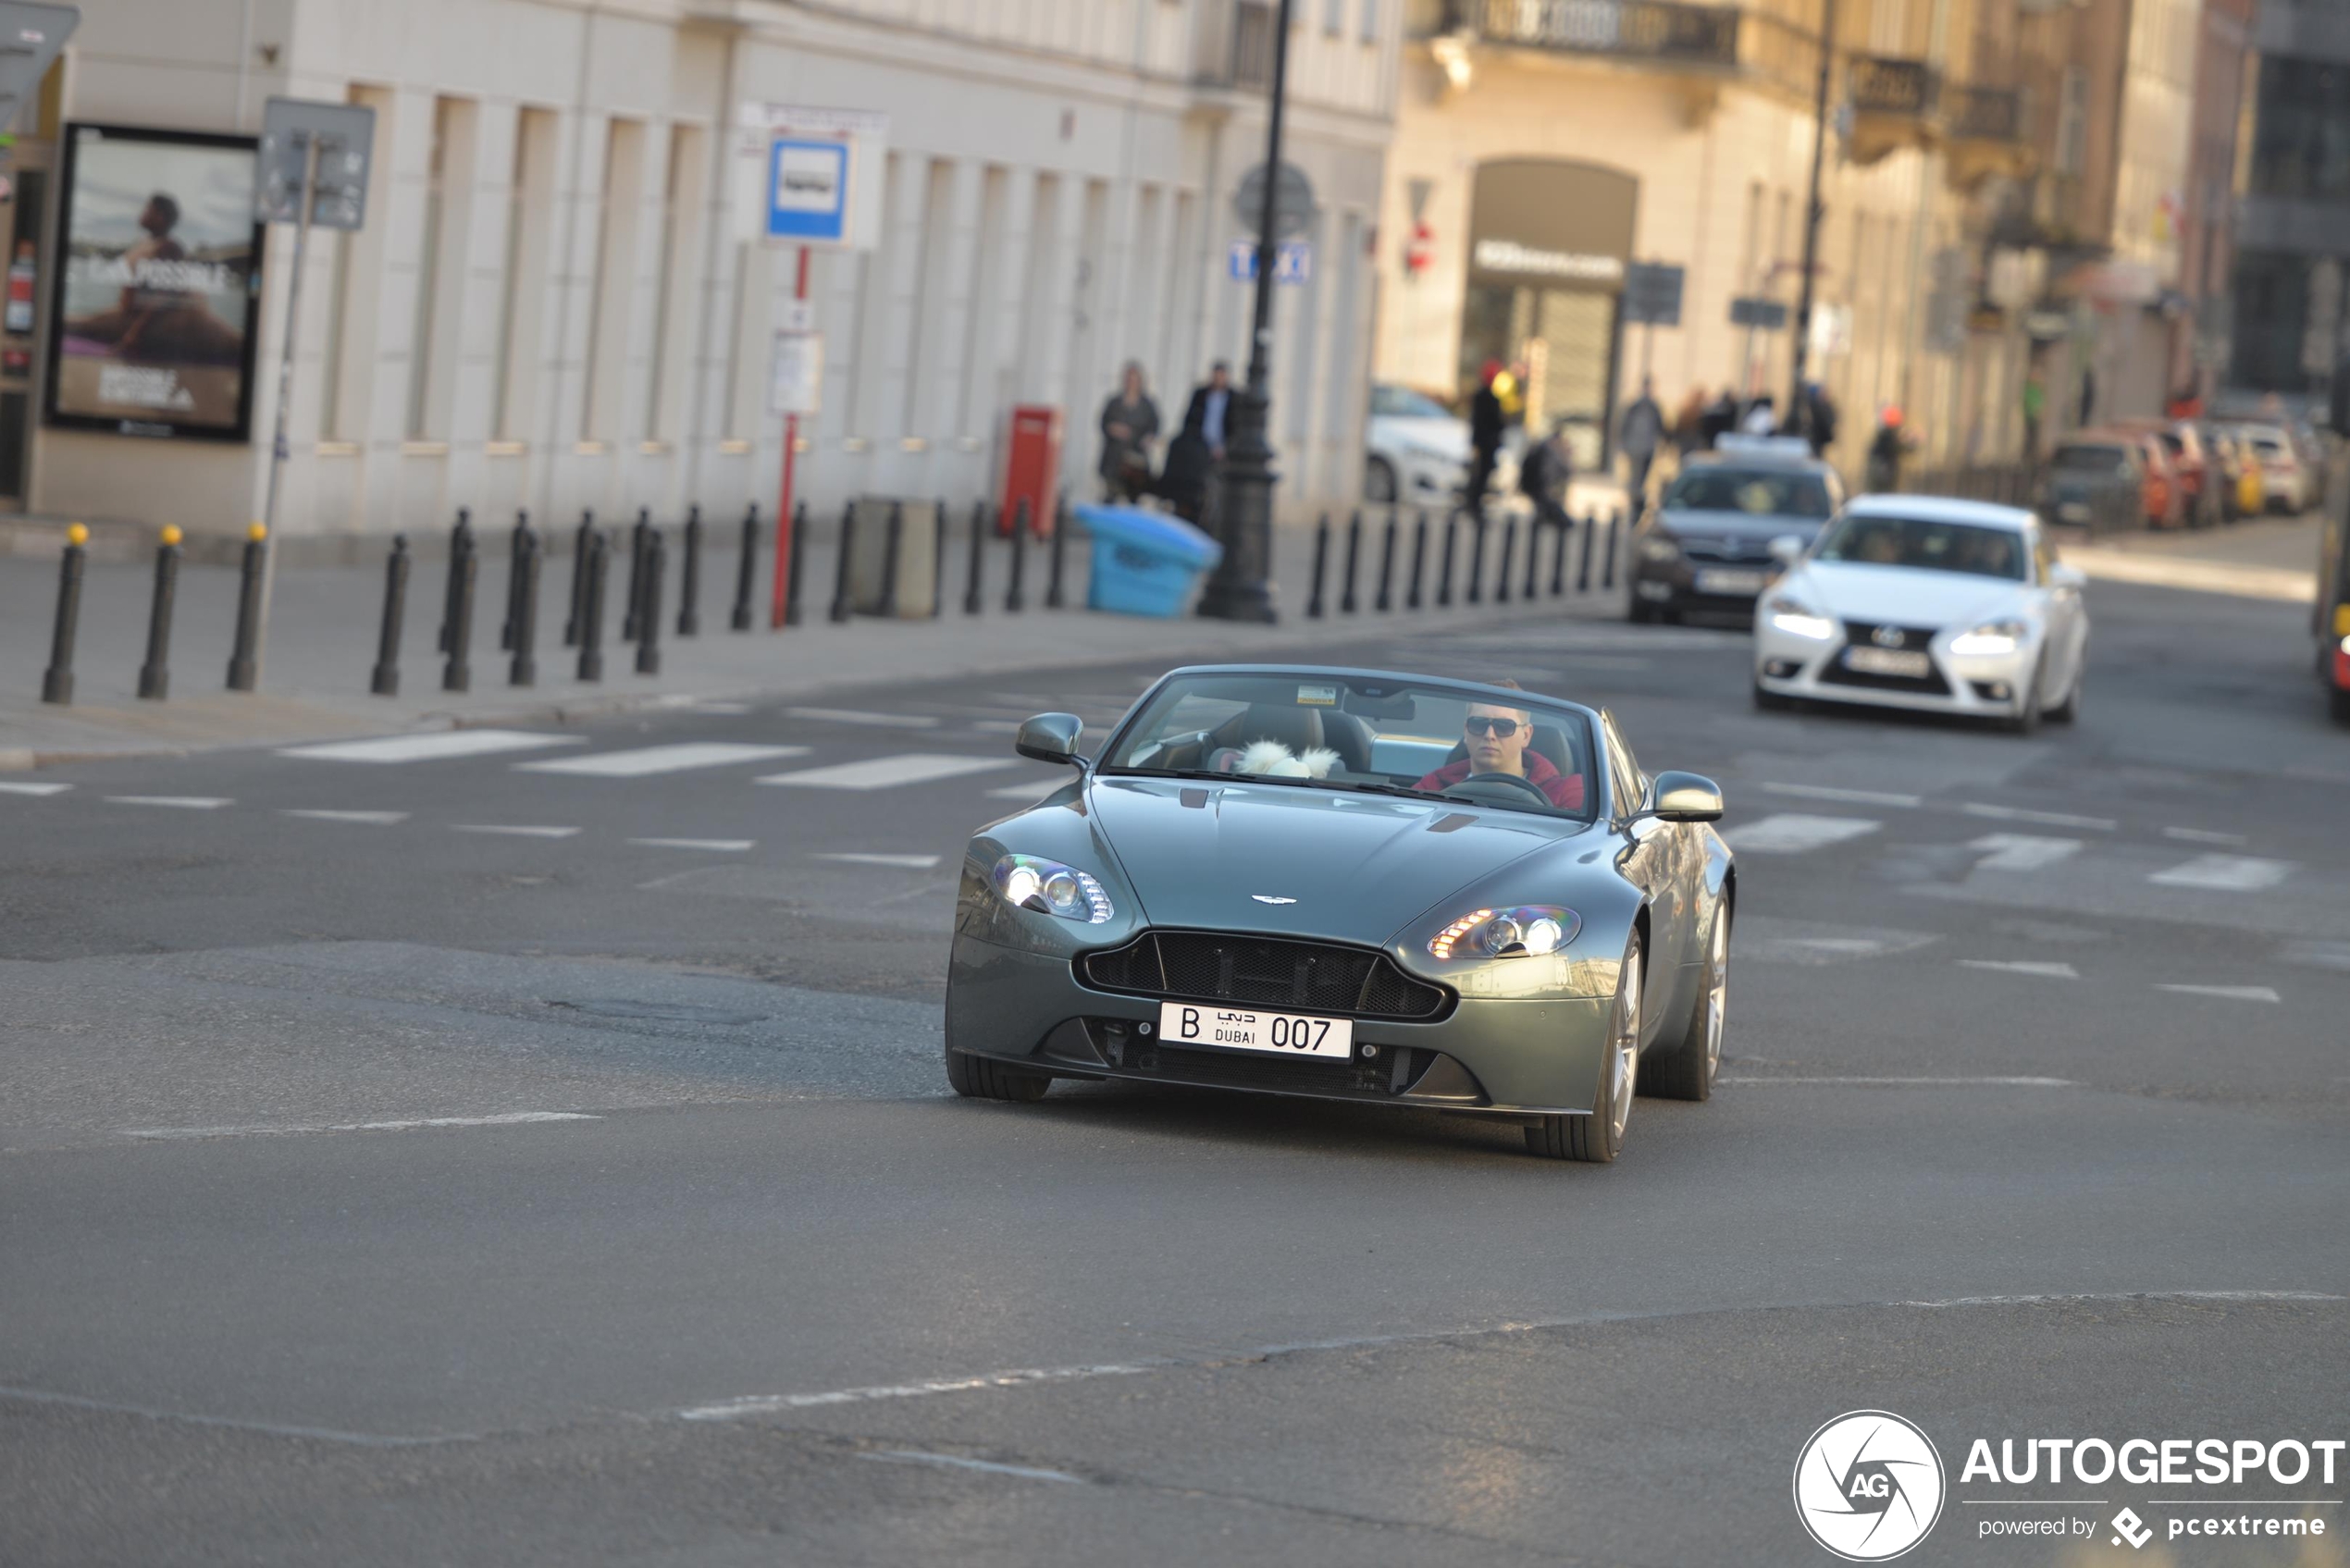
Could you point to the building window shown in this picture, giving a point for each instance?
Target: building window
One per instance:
(420, 333)
(2072, 123)
(1334, 17)
(1370, 21)
(351, 332)
(2301, 149)
(529, 197)
(609, 313)
(673, 291)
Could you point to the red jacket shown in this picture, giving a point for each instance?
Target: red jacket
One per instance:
(1562, 789)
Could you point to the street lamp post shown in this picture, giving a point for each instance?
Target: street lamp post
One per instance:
(1240, 589)
(1798, 407)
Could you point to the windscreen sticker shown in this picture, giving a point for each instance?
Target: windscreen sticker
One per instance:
(1316, 697)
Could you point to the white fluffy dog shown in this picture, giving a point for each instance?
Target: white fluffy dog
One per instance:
(1272, 760)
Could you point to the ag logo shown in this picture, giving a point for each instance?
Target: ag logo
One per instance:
(1868, 1486)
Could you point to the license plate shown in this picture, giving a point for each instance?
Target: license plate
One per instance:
(1887, 661)
(1728, 580)
(1275, 1034)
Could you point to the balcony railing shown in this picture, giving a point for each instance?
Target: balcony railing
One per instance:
(1653, 30)
(1984, 114)
(1881, 85)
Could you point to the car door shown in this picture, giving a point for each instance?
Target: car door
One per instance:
(1655, 860)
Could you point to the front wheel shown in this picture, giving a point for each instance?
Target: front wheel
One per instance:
(1597, 1136)
(1685, 1069)
(1378, 481)
(977, 1078)
(1769, 701)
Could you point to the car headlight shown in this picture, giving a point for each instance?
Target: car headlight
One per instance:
(1990, 640)
(1795, 619)
(1526, 929)
(1028, 881)
(1660, 547)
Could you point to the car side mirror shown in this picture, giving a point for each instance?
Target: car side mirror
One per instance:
(1050, 737)
(1685, 798)
(1786, 550)
(2063, 576)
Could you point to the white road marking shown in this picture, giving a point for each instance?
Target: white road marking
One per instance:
(2227, 993)
(732, 708)
(1021, 1471)
(721, 846)
(768, 1404)
(2229, 874)
(909, 862)
(2031, 967)
(1792, 832)
(645, 761)
(2022, 852)
(1922, 1082)
(886, 772)
(2200, 835)
(33, 788)
(1854, 796)
(2044, 819)
(179, 802)
(513, 830)
(502, 1119)
(866, 716)
(382, 819)
(436, 747)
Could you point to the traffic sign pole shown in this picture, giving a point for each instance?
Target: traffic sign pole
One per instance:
(285, 398)
(783, 511)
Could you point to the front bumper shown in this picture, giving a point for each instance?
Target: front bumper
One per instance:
(1700, 587)
(1509, 1056)
(1979, 686)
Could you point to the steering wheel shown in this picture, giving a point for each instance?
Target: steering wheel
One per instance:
(1515, 781)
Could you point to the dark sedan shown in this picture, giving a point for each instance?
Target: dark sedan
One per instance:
(1706, 549)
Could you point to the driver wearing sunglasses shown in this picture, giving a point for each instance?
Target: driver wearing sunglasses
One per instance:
(1496, 740)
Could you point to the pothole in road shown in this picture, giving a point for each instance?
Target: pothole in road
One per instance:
(659, 1012)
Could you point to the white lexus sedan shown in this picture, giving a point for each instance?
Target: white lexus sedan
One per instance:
(1929, 604)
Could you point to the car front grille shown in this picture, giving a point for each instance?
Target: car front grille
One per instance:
(1260, 971)
(1863, 633)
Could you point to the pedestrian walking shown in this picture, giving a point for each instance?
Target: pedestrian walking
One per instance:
(1197, 451)
(1543, 478)
(1130, 424)
(1885, 451)
(1640, 431)
(1487, 421)
(1721, 418)
(1820, 417)
(1761, 418)
(2036, 402)
(1688, 424)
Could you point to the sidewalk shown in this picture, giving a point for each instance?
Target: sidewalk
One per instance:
(326, 620)
(2274, 558)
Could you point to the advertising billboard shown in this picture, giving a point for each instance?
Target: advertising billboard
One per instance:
(159, 294)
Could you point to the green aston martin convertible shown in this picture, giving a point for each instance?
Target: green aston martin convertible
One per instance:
(1352, 885)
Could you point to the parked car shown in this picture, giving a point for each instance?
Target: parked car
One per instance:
(2095, 481)
(2239, 491)
(2331, 617)
(2191, 465)
(2284, 475)
(1418, 450)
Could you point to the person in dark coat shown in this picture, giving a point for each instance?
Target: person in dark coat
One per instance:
(1197, 450)
(1821, 416)
(1488, 419)
(1544, 477)
(1721, 418)
(1130, 424)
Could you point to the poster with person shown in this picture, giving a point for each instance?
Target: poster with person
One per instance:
(157, 298)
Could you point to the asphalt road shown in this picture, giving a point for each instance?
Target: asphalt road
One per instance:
(2033, 1124)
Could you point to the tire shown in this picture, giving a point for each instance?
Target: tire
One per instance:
(2069, 710)
(2027, 718)
(1685, 1069)
(1640, 612)
(978, 1078)
(1597, 1136)
(2338, 703)
(1770, 701)
(1378, 481)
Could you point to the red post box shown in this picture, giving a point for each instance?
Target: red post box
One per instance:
(1031, 462)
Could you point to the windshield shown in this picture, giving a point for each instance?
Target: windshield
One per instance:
(1933, 547)
(1759, 492)
(1402, 402)
(2089, 459)
(1310, 730)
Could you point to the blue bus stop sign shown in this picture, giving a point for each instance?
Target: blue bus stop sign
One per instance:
(808, 190)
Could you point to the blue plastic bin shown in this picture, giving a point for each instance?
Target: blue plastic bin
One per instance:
(1144, 563)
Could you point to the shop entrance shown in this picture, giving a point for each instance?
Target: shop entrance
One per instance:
(1566, 339)
(23, 213)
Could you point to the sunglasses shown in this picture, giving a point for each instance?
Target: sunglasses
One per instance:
(1477, 724)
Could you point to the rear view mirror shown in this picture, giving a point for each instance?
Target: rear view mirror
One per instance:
(1049, 738)
(1786, 550)
(1685, 798)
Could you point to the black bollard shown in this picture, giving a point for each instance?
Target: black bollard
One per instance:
(1321, 565)
(242, 667)
(799, 559)
(1444, 574)
(1583, 571)
(1419, 559)
(384, 681)
(1386, 599)
(1533, 554)
(745, 566)
(56, 681)
(522, 670)
(939, 558)
(591, 610)
(579, 544)
(461, 539)
(632, 610)
(155, 675)
(893, 545)
(520, 542)
(649, 617)
(1509, 553)
(1060, 534)
(840, 566)
(1013, 603)
(689, 578)
(1476, 557)
(1354, 553)
(1607, 574)
(971, 583)
(458, 675)
(1558, 555)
